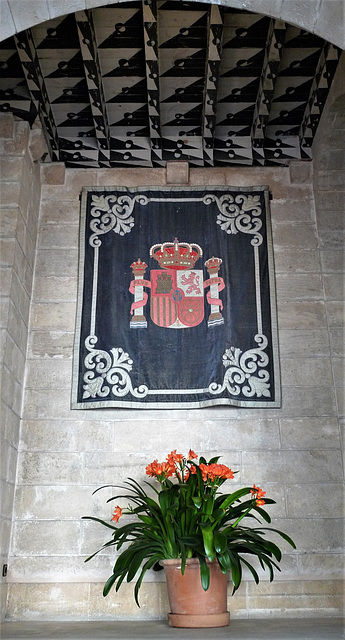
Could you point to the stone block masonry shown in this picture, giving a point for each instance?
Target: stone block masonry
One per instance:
(20, 185)
(294, 452)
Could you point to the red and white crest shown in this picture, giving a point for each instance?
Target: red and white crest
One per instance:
(177, 290)
(177, 298)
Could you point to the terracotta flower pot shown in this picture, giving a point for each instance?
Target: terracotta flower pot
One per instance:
(190, 605)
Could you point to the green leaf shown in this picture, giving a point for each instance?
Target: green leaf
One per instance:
(218, 514)
(109, 583)
(251, 569)
(198, 502)
(225, 562)
(273, 548)
(120, 580)
(236, 570)
(105, 546)
(199, 477)
(267, 562)
(136, 562)
(262, 513)
(207, 535)
(190, 541)
(232, 497)
(285, 536)
(208, 504)
(204, 573)
(148, 565)
(183, 557)
(220, 542)
(281, 533)
(147, 520)
(106, 524)
(164, 502)
(106, 486)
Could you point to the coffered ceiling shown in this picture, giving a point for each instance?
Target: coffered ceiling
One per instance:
(138, 84)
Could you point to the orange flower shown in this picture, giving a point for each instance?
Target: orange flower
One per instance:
(214, 472)
(258, 494)
(117, 514)
(160, 470)
(167, 469)
(151, 469)
(191, 455)
(224, 472)
(174, 457)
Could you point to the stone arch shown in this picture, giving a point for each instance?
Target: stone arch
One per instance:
(322, 17)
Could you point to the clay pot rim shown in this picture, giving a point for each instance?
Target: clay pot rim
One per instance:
(178, 562)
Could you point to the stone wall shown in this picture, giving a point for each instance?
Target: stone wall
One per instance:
(20, 202)
(294, 452)
(329, 190)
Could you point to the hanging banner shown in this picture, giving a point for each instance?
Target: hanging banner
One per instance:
(176, 299)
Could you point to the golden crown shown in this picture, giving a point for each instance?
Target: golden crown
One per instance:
(138, 267)
(212, 265)
(176, 255)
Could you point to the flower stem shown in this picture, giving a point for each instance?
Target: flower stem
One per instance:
(240, 518)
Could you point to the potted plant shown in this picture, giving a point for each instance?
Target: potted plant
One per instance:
(188, 526)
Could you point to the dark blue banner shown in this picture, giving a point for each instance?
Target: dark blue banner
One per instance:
(176, 301)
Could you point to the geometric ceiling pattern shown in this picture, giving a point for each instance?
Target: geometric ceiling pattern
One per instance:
(138, 84)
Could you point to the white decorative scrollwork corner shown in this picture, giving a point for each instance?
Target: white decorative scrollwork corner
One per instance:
(239, 213)
(112, 213)
(240, 369)
(108, 373)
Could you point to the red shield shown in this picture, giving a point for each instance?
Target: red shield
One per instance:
(177, 298)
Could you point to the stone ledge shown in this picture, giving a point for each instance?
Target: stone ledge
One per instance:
(37, 144)
(75, 601)
(301, 172)
(6, 125)
(53, 173)
(177, 173)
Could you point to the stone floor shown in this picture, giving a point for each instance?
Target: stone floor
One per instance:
(260, 629)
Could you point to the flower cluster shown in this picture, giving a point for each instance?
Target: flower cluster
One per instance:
(178, 466)
(160, 470)
(215, 472)
(175, 464)
(258, 494)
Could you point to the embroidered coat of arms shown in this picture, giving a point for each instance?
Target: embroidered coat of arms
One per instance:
(177, 290)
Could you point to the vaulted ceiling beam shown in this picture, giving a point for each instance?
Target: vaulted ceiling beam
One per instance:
(273, 53)
(329, 57)
(139, 85)
(150, 15)
(36, 85)
(88, 48)
(213, 57)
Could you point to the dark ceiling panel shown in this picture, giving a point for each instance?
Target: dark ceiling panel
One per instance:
(141, 83)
